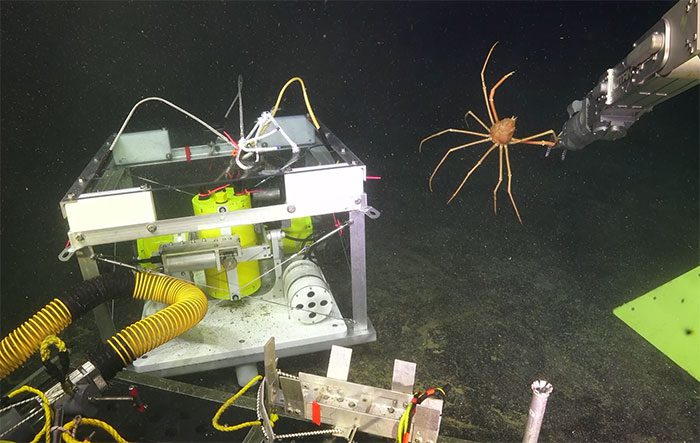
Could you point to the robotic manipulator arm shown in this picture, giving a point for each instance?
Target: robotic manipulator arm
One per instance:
(664, 62)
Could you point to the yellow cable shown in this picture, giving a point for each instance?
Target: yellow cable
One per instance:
(44, 404)
(306, 100)
(403, 423)
(68, 438)
(230, 428)
(49, 340)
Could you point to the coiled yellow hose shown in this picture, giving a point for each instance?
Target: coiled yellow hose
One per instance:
(24, 341)
(188, 305)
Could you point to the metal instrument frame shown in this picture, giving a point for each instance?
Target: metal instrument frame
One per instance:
(310, 191)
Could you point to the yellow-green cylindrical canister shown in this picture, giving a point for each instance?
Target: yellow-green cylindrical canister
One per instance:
(300, 229)
(149, 246)
(246, 273)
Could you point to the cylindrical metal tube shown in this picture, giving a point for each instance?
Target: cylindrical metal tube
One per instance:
(307, 292)
(540, 393)
(266, 196)
(194, 261)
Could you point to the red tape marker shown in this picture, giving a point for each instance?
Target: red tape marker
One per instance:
(316, 413)
(188, 153)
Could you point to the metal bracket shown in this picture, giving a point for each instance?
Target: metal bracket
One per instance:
(371, 212)
(339, 363)
(272, 382)
(275, 236)
(404, 376)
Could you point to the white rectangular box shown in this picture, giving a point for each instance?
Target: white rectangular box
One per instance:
(110, 209)
(142, 147)
(311, 188)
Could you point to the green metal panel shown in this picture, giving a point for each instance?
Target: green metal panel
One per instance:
(669, 318)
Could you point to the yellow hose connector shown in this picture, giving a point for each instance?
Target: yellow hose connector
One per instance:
(24, 341)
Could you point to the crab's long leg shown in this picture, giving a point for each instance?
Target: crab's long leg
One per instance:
(475, 118)
(483, 84)
(500, 176)
(458, 131)
(528, 139)
(456, 148)
(546, 143)
(492, 103)
(483, 157)
(510, 194)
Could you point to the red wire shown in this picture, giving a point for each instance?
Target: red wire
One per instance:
(337, 224)
(212, 191)
(233, 142)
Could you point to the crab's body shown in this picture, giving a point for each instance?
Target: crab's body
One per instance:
(501, 134)
(502, 131)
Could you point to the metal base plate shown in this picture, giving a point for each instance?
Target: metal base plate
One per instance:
(235, 332)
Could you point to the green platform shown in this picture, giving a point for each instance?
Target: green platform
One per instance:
(669, 318)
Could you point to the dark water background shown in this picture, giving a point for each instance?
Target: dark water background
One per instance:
(476, 300)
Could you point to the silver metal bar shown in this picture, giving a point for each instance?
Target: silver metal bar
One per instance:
(185, 389)
(87, 174)
(240, 105)
(209, 221)
(88, 268)
(358, 267)
(272, 383)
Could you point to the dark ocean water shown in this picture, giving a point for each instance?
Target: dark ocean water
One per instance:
(476, 299)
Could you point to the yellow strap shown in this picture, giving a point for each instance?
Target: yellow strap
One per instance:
(68, 438)
(44, 404)
(230, 428)
(48, 341)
